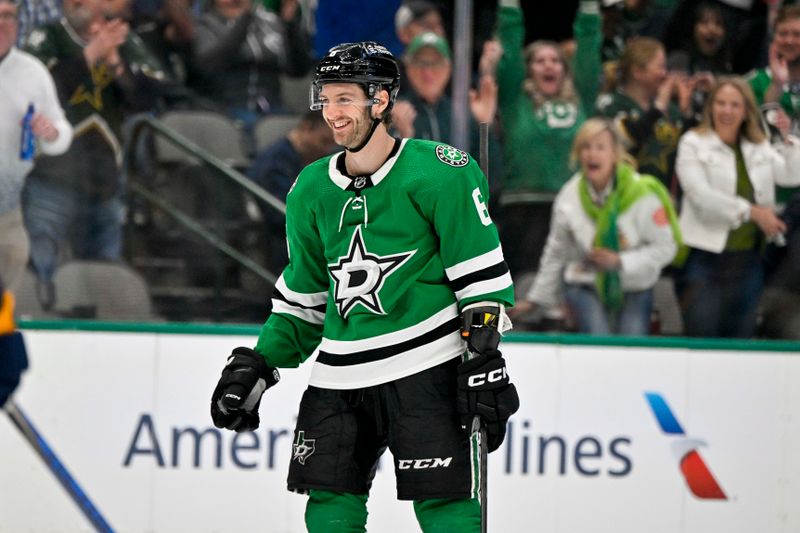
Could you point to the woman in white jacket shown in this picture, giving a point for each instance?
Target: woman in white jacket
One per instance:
(611, 233)
(728, 171)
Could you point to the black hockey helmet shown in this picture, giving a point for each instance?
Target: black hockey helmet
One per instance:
(367, 63)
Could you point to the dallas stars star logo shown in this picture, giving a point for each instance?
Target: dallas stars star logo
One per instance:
(359, 276)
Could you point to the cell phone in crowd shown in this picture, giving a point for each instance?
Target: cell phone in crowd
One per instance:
(769, 115)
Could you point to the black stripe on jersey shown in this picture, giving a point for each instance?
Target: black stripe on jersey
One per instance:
(278, 295)
(494, 271)
(377, 354)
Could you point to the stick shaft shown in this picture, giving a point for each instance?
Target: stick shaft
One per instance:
(24, 425)
(477, 424)
(483, 132)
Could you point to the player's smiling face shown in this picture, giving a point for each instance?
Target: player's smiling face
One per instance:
(347, 111)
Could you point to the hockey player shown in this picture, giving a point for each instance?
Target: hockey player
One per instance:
(13, 358)
(393, 262)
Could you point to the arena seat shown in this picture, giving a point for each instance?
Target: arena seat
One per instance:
(271, 128)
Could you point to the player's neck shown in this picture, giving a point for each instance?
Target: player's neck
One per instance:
(370, 158)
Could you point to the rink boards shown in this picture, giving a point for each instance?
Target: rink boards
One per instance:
(659, 436)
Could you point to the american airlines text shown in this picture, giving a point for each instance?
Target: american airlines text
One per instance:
(524, 451)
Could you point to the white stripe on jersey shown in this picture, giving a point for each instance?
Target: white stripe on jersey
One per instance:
(475, 264)
(485, 287)
(309, 315)
(389, 369)
(390, 339)
(313, 299)
(343, 181)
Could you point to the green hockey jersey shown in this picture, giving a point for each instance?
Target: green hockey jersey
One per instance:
(380, 266)
(761, 79)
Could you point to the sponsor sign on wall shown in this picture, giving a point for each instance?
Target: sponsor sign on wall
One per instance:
(608, 438)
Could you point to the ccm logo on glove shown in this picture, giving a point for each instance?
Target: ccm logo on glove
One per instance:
(494, 376)
(237, 396)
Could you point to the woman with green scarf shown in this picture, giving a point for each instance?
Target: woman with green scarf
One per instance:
(612, 232)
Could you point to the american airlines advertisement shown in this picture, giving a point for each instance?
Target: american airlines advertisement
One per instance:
(110, 431)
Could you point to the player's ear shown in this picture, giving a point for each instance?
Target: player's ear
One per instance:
(380, 108)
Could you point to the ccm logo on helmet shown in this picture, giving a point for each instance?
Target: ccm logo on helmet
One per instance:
(329, 68)
(423, 464)
(477, 380)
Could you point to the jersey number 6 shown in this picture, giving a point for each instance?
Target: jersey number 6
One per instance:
(483, 212)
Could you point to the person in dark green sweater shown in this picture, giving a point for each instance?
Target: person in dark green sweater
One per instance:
(102, 71)
(543, 101)
(643, 108)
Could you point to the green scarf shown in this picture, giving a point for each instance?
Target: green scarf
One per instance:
(627, 189)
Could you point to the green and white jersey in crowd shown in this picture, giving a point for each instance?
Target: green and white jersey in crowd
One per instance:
(653, 135)
(761, 79)
(538, 139)
(380, 266)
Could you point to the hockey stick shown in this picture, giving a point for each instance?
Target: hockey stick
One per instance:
(58, 469)
(478, 444)
(483, 139)
(478, 431)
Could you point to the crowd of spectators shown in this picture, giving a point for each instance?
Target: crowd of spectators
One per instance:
(630, 141)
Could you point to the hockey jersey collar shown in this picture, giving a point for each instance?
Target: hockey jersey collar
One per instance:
(72, 33)
(343, 181)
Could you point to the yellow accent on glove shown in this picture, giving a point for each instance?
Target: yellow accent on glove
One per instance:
(7, 314)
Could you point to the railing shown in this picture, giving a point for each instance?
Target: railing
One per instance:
(136, 127)
(791, 347)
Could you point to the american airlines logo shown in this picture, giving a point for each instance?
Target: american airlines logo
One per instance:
(423, 464)
(698, 477)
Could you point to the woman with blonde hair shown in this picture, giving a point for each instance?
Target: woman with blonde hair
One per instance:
(543, 99)
(612, 232)
(642, 107)
(728, 171)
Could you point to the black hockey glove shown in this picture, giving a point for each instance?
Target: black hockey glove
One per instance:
(484, 388)
(235, 401)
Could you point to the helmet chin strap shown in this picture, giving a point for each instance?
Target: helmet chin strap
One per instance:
(362, 144)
